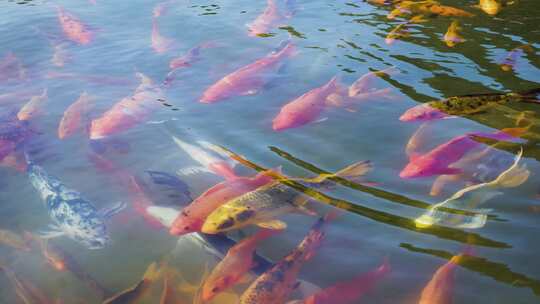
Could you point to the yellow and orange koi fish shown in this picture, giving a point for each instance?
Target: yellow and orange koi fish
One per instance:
(452, 36)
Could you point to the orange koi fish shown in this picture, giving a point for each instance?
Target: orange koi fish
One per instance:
(490, 7)
(439, 288)
(266, 21)
(306, 108)
(193, 216)
(73, 28)
(11, 68)
(74, 116)
(452, 36)
(275, 285)
(137, 291)
(15, 160)
(169, 295)
(26, 292)
(160, 44)
(60, 260)
(129, 111)
(348, 291)
(402, 30)
(33, 107)
(236, 264)
(249, 79)
(15, 240)
(428, 7)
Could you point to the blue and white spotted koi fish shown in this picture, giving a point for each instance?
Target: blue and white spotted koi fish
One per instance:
(73, 216)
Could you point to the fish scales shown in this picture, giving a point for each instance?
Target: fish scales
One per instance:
(472, 104)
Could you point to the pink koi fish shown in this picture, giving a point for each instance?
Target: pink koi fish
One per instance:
(306, 108)
(160, 44)
(11, 68)
(441, 286)
(268, 20)
(439, 160)
(33, 107)
(73, 28)
(74, 116)
(193, 216)
(249, 79)
(190, 56)
(129, 111)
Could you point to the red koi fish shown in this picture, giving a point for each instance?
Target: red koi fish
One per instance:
(34, 107)
(306, 108)
(192, 217)
(348, 291)
(249, 79)
(74, 117)
(268, 20)
(73, 28)
(137, 195)
(275, 285)
(160, 44)
(11, 68)
(439, 160)
(439, 289)
(129, 111)
(236, 264)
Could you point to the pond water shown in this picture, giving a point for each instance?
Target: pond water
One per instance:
(191, 89)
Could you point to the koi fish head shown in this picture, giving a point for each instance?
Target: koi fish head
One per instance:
(216, 92)
(66, 129)
(184, 224)
(415, 169)
(212, 288)
(102, 127)
(422, 112)
(228, 217)
(284, 120)
(490, 7)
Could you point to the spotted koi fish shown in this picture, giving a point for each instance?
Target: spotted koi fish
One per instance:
(73, 216)
(275, 285)
(466, 105)
(262, 206)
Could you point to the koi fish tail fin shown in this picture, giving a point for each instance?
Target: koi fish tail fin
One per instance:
(508, 134)
(435, 215)
(223, 169)
(153, 272)
(286, 49)
(514, 176)
(355, 171)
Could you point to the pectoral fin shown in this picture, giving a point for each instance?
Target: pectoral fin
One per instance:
(274, 224)
(112, 210)
(53, 232)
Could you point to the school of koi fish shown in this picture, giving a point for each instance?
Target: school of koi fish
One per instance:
(228, 211)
